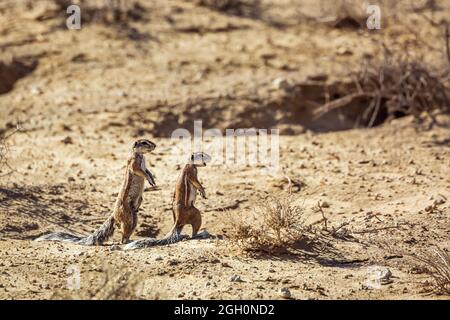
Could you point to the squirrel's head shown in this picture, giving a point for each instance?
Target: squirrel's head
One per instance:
(143, 146)
(199, 159)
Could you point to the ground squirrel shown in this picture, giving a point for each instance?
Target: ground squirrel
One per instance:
(127, 204)
(184, 211)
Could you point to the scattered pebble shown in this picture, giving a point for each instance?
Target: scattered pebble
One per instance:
(67, 140)
(172, 262)
(325, 204)
(440, 199)
(235, 278)
(281, 84)
(285, 293)
(380, 275)
(36, 91)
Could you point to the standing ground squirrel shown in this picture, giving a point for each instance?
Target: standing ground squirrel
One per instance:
(127, 204)
(184, 211)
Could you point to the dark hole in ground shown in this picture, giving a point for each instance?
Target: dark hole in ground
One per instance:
(291, 112)
(10, 73)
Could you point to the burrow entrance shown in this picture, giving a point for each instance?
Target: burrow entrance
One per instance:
(11, 72)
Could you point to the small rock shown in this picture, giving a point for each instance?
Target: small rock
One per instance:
(172, 262)
(344, 51)
(380, 276)
(290, 129)
(67, 140)
(325, 204)
(235, 278)
(281, 84)
(114, 247)
(285, 293)
(45, 286)
(440, 199)
(35, 91)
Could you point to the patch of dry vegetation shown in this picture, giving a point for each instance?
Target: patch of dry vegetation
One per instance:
(275, 226)
(394, 86)
(436, 263)
(5, 166)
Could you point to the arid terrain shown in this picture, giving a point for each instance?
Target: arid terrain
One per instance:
(72, 102)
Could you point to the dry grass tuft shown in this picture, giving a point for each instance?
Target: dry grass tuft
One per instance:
(276, 226)
(436, 263)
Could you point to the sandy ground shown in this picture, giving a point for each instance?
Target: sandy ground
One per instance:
(86, 95)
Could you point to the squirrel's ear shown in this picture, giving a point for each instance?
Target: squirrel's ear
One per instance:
(135, 144)
(192, 157)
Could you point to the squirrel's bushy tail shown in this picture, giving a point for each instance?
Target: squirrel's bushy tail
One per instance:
(173, 237)
(97, 238)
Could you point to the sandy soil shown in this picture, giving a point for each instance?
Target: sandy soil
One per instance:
(83, 96)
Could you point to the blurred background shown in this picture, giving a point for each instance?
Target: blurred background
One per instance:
(149, 67)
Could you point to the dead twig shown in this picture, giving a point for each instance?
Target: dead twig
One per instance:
(324, 219)
(378, 229)
(4, 150)
(447, 40)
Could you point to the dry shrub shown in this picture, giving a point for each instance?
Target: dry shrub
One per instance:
(394, 86)
(277, 225)
(436, 263)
